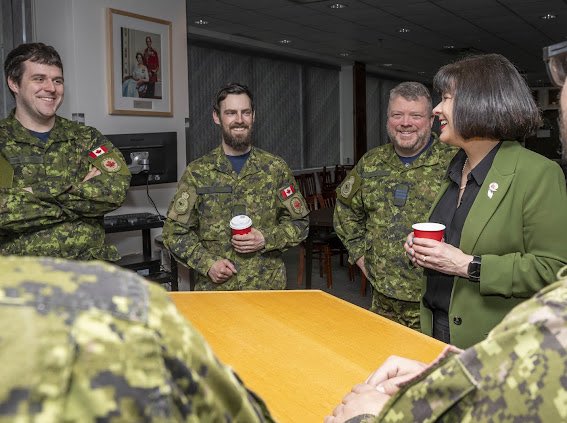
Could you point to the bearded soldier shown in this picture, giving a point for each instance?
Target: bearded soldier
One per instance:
(236, 179)
(390, 188)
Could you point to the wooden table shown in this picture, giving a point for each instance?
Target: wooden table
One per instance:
(301, 351)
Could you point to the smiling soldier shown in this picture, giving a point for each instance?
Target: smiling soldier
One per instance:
(57, 178)
(236, 179)
(391, 188)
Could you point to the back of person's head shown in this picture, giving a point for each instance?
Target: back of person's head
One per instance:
(232, 88)
(411, 91)
(34, 52)
(490, 98)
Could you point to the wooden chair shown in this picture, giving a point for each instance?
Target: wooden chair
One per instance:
(308, 188)
(341, 173)
(325, 245)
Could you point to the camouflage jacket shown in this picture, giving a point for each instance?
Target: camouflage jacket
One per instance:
(516, 374)
(90, 342)
(63, 215)
(210, 193)
(378, 202)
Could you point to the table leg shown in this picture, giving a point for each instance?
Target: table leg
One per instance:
(308, 261)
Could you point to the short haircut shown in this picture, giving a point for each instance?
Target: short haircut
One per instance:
(490, 98)
(34, 52)
(411, 91)
(232, 88)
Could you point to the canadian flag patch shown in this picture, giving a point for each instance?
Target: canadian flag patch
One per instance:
(287, 192)
(99, 151)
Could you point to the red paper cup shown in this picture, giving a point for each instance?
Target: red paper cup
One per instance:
(240, 224)
(429, 230)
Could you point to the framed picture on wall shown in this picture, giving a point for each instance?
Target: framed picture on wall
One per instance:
(139, 65)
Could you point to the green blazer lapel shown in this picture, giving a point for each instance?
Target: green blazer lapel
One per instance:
(501, 173)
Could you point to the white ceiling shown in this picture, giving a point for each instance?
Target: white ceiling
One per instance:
(368, 30)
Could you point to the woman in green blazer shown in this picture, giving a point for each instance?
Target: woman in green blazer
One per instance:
(504, 207)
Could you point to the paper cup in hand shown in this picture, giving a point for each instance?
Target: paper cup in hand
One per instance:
(429, 230)
(240, 224)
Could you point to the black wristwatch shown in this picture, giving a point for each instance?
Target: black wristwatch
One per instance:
(474, 269)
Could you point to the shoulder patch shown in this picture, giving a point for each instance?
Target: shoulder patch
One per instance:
(293, 202)
(349, 187)
(182, 204)
(109, 161)
(6, 173)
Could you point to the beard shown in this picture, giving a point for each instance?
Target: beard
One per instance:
(409, 147)
(239, 142)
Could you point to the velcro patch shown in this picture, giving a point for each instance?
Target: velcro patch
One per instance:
(295, 205)
(112, 162)
(349, 187)
(6, 173)
(182, 204)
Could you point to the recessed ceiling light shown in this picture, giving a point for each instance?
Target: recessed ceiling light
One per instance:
(285, 41)
(387, 65)
(448, 46)
(344, 54)
(548, 16)
(201, 22)
(337, 6)
(421, 72)
(403, 30)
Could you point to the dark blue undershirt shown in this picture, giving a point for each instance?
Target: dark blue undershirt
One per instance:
(238, 162)
(409, 160)
(42, 136)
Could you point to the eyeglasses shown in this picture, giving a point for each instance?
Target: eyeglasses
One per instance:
(555, 56)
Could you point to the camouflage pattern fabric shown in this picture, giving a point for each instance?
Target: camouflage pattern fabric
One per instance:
(403, 312)
(517, 374)
(63, 215)
(210, 193)
(378, 202)
(89, 342)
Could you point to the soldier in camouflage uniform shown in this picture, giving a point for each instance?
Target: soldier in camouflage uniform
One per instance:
(87, 342)
(236, 179)
(57, 178)
(392, 187)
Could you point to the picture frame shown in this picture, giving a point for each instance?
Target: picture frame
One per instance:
(139, 65)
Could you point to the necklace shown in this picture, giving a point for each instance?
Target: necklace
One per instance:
(462, 187)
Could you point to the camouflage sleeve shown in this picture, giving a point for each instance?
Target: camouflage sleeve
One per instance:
(293, 223)
(208, 390)
(180, 229)
(515, 374)
(350, 218)
(21, 211)
(100, 194)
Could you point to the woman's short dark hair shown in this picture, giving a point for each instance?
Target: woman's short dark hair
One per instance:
(232, 88)
(34, 52)
(490, 98)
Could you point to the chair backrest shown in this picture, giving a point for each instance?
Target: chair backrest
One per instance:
(329, 201)
(341, 172)
(307, 184)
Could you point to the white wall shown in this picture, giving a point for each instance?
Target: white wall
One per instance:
(77, 29)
